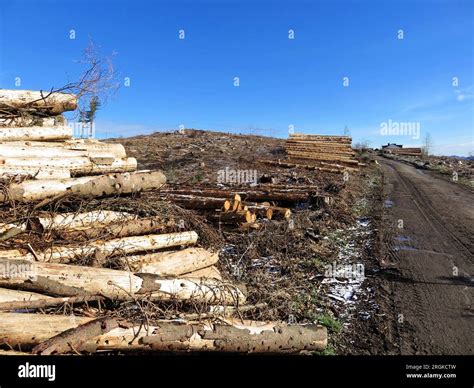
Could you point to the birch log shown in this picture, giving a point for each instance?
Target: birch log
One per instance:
(35, 133)
(208, 273)
(78, 165)
(32, 172)
(68, 148)
(115, 284)
(112, 184)
(44, 101)
(28, 330)
(7, 295)
(108, 248)
(73, 221)
(172, 263)
(125, 228)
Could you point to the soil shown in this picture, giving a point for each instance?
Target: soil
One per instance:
(429, 246)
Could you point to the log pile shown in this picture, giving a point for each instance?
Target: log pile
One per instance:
(243, 207)
(37, 148)
(405, 151)
(325, 152)
(102, 264)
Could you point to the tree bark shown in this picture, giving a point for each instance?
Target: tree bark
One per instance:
(171, 263)
(44, 101)
(35, 133)
(236, 217)
(237, 337)
(78, 165)
(66, 148)
(196, 202)
(74, 221)
(126, 228)
(75, 338)
(208, 273)
(108, 248)
(44, 302)
(9, 296)
(115, 284)
(112, 184)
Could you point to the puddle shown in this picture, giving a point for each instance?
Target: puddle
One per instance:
(402, 238)
(404, 248)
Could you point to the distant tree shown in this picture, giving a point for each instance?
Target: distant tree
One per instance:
(427, 144)
(87, 116)
(362, 146)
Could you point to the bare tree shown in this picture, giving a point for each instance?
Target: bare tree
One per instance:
(427, 144)
(99, 81)
(96, 85)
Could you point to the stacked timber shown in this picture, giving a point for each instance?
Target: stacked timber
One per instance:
(413, 151)
(102, 263)
(243, 207)
(329, 152)
(38, 148)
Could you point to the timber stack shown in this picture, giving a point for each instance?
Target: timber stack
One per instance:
(328, 152)
(108, 265)
(413, 151)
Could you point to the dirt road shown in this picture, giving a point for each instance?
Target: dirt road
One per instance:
(430, 246)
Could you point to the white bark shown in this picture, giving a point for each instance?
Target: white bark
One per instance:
(73, 221)
(33, 190)
(76, 165)
(35, 133)
(7, 295)
(52, 103)
(115, 247)
(36, 173)
(115, 284)
(60, 150)
(172, 263)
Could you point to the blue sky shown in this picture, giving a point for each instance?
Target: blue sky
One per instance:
(283, 82)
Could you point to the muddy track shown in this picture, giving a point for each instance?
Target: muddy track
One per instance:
(429, 242)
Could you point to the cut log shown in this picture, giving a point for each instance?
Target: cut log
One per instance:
(196, 202)
(207, 273)
(120, 184)
(171, 263)
(68, 148)
(11, 230)
(110, 248)
(115, 284)
(236, 217)
(332, 168)
(257, 337)
(79, 165)
(126, 228)
(35, 133)
(32, 172)
(28, 330)
(44, 301)
(341, 139)
(43, 101)
(280, 212)
(73, 221)
(112, 184)
(7, 295)
(74, 339)
(271, 194)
